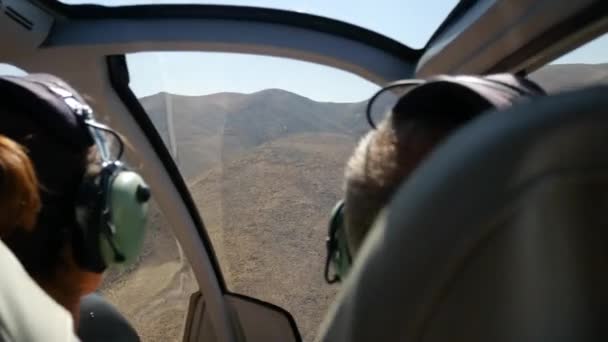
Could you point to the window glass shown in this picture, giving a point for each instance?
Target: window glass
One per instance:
(153, 293)
(585, 66)
(410, 22)
(262, 143)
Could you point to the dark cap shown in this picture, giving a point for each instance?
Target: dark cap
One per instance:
(456, 99)
(31, 95)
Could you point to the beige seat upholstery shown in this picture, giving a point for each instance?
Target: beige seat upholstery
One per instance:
(501, 235)
(27, 313)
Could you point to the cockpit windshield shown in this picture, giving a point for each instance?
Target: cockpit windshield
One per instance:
(262, 144)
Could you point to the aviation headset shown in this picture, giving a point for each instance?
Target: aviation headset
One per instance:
(436, 101)
(111, 208)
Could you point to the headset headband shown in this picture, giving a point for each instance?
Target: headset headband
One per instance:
(81, 109)
(32, 95)
(42, 94)
(456, 98)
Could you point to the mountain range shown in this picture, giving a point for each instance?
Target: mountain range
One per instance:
(214, 128)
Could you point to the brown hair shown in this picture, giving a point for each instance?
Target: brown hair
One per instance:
(19, 193)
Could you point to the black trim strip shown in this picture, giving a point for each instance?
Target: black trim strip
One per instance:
(20, 19)
(240, 13)
(119, 79)
(292, 321)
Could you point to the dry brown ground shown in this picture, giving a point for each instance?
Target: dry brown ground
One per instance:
(266, 213)
(154, 295)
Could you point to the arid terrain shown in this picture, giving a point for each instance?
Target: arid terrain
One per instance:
(265, 170)
(269, 236)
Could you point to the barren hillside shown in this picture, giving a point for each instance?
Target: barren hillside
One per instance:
(560, 77)
(269, 236)
(214, 128)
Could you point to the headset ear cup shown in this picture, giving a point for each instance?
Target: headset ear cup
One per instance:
(128, 197)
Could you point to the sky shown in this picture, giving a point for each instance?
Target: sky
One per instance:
(408, 21)
(198, 73)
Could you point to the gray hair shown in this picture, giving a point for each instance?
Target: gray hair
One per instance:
(381, 161)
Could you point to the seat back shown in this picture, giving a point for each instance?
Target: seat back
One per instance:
(501, 235)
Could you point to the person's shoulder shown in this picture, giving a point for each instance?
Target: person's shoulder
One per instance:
(27, 313)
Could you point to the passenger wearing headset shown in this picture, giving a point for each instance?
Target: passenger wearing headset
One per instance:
(426, 112)
(93, 209)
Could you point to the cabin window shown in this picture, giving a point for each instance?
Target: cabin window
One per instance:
(262, 144)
